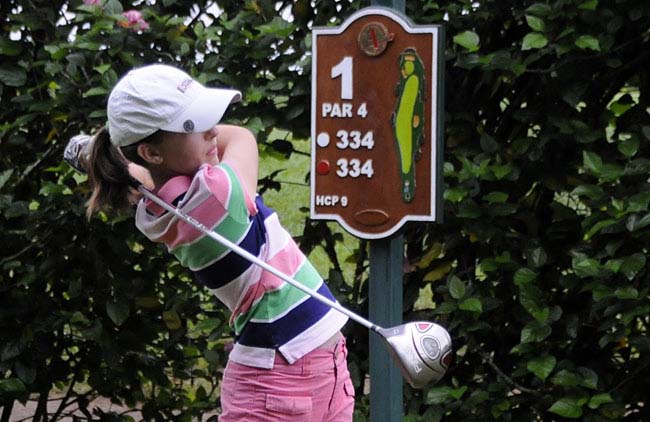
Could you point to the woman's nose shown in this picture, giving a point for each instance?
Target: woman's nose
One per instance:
(211, 133)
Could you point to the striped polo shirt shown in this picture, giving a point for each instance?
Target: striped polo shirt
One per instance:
(267, 314)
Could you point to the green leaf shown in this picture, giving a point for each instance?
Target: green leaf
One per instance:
(646, 132)
(456, 287)
(638, 166)
(12, 75)
(613, 265)
(534, 40)
(524, 276)
(12, 386)
(501, 171)
(540, 315)
(588, 42)
(147, 302)
(535, 23)
(468, 39)
(534, 332)
(590, 191)
(542, 366)
(438, 272)
(632, 265)
(539, 9)
(537, 257)
(598, 227)
(588, 377)
(598, 399)
(278, 27)
(624, 293)
(5, 176)
(639, 202)
(567, 407)
(496, 197)
(565, 378)
(9, 48)
(118, 312)
(95, 91)
(433, 253)
(585, 267)
(468, 209)
(255, 125)
(611, 172)
(89, 45)
(592, 162)
(113, 7)
(457, 393)
(56, 52)
(589, 5)
(472, 304)
(456, 194)
(635, 222)
(438, 395)
(208, 325)
(172, 320)
(629, 147)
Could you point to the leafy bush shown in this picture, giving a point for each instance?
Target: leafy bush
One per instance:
(539, 269)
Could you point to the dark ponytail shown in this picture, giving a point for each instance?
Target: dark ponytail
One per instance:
(108, 174)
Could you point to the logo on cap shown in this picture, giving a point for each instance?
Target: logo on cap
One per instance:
(182, 87)
(188, 126)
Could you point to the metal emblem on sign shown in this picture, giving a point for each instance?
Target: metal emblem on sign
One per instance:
(373, 38)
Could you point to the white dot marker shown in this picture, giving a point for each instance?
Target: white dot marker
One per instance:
(323, 139)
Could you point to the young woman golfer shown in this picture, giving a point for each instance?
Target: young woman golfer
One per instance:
(289, 359)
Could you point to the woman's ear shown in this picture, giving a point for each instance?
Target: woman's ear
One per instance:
(150, 154)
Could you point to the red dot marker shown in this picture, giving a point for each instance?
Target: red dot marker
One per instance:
(323, 167)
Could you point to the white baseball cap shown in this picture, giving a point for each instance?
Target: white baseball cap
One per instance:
(159, 96)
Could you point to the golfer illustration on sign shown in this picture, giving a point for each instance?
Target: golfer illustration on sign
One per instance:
(408, 118)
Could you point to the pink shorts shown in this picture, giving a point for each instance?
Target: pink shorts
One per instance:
(316, 388)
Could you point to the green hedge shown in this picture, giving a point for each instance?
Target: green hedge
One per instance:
(539, 269)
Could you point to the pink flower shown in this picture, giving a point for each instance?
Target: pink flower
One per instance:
(93, 2)
(134, 20)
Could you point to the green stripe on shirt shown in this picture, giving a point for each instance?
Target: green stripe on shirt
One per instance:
(204, 250)
(277, 302)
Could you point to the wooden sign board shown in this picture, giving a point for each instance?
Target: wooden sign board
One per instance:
(376, 125)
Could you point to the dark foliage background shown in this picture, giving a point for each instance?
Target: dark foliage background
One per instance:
(539, 270)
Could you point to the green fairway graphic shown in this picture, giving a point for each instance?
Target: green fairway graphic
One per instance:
(408, 119)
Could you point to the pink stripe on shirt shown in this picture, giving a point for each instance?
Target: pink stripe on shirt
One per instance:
(286, 261)
(216, 177)
(209, 213)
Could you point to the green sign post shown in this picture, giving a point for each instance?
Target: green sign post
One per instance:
(376, 154)
(385, 295)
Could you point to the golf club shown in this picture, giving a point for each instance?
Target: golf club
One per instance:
(421, 350)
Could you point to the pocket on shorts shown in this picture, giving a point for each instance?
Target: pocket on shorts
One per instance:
(288, 405)
(348, 387)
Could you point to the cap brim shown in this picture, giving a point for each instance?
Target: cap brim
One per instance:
(204, 112)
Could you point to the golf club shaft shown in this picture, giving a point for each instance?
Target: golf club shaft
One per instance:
(255, 260)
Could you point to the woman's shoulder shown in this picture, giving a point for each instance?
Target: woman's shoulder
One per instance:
(225, 182)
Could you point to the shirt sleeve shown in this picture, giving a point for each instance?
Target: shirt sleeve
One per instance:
(225, 183)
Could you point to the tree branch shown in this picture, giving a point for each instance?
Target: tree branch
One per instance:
(488, 359)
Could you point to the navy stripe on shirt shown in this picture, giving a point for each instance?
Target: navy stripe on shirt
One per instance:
(275, 334)
(232, 265)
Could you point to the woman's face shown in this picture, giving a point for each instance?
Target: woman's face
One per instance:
(184, 153)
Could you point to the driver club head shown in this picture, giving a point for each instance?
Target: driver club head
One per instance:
(421, 350)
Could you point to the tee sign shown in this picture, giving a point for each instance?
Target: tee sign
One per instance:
(376, 126)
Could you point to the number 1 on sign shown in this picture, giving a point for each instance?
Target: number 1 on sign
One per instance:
(344, 70)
